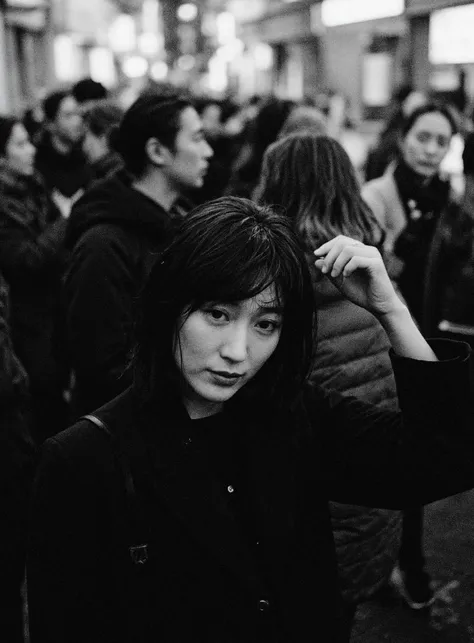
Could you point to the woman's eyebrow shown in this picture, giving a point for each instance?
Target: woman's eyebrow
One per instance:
(271, 309)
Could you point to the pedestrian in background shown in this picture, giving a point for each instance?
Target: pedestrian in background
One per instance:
(408, 201)
(32, 261)
(313, 180)
(449, 291)
(117, 230)
(59, 157)
(193, 507)
(100, 119)
(269, 120)
(304, 118)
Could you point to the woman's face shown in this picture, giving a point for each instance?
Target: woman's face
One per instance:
(19, 152)
(222, 346)
(426, 144)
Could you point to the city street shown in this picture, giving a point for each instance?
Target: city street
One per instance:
(449, 540)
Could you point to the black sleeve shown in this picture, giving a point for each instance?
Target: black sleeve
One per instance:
(424, 453)
(100, 293)
(13, 377)
(70, 580)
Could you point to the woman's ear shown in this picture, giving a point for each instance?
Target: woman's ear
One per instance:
(156, 152)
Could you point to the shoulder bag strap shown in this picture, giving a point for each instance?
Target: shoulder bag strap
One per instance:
(138, 525)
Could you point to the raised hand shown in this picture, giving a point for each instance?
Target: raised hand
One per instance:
(359, 273)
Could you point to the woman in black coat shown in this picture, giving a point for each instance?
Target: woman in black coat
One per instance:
(31, 260)
(193, 507)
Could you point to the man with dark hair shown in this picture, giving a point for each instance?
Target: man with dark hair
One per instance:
(88, 90)
(115, 233)
(59, 155)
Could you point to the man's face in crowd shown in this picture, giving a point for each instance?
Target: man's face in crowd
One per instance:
(187, 164)
(68, 123)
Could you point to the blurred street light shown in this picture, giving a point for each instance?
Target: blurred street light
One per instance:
(149, 44)
(187, 12)
(159, 70)
(263, 56)
(102, 68)
(135, 66)
(122, 34)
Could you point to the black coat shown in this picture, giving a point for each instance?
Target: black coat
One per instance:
(115, 234)
(32, 259)
(203, 582)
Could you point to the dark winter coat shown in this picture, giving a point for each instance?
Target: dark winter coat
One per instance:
(31, 260)
(202, 581)
(16, 474)
(115, 234)
(352, 357)
(449, 289)
(67, 173)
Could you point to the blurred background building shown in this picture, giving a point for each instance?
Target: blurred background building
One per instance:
(360, 50)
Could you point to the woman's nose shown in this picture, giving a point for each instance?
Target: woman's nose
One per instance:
(235, 346)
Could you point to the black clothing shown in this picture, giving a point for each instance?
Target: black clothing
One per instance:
(16, 477)
(67, 173)
(201, 582)
(423, 203)
(115, 234)
(32, 259)
(106, 165)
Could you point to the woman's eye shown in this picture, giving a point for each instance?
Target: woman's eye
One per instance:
(215, 314)
(269, 326)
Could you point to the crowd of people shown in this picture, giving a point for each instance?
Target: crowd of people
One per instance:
(220, 415)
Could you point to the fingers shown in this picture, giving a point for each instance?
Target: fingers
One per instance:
(339, 253)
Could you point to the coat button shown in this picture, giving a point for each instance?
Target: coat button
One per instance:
(263, 605)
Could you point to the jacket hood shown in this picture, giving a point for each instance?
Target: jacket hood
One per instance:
(114, 200)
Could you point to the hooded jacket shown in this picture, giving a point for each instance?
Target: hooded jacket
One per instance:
(114, 234)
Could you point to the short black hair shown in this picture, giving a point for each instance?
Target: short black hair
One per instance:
(52, 103)
(101, 116)
(468, 155)
(152, 115)
(88, 89)
(228, 250)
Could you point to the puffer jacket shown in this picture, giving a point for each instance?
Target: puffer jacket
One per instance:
(352, 358)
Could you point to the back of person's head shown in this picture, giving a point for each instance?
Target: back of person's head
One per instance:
(52, 103)
(87, 90)
(101, 116)
(270, 118)
(314, 180)
(304, 119)
(7, 123)
(228, 250)
(468, 155)
(429, 108)
(152, 115)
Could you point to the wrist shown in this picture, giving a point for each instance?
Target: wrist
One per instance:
(398, 313)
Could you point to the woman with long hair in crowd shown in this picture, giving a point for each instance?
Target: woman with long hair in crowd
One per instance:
(409, 200)
(313, 179)
(410, 197)
(32, 261)
(193, 507)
